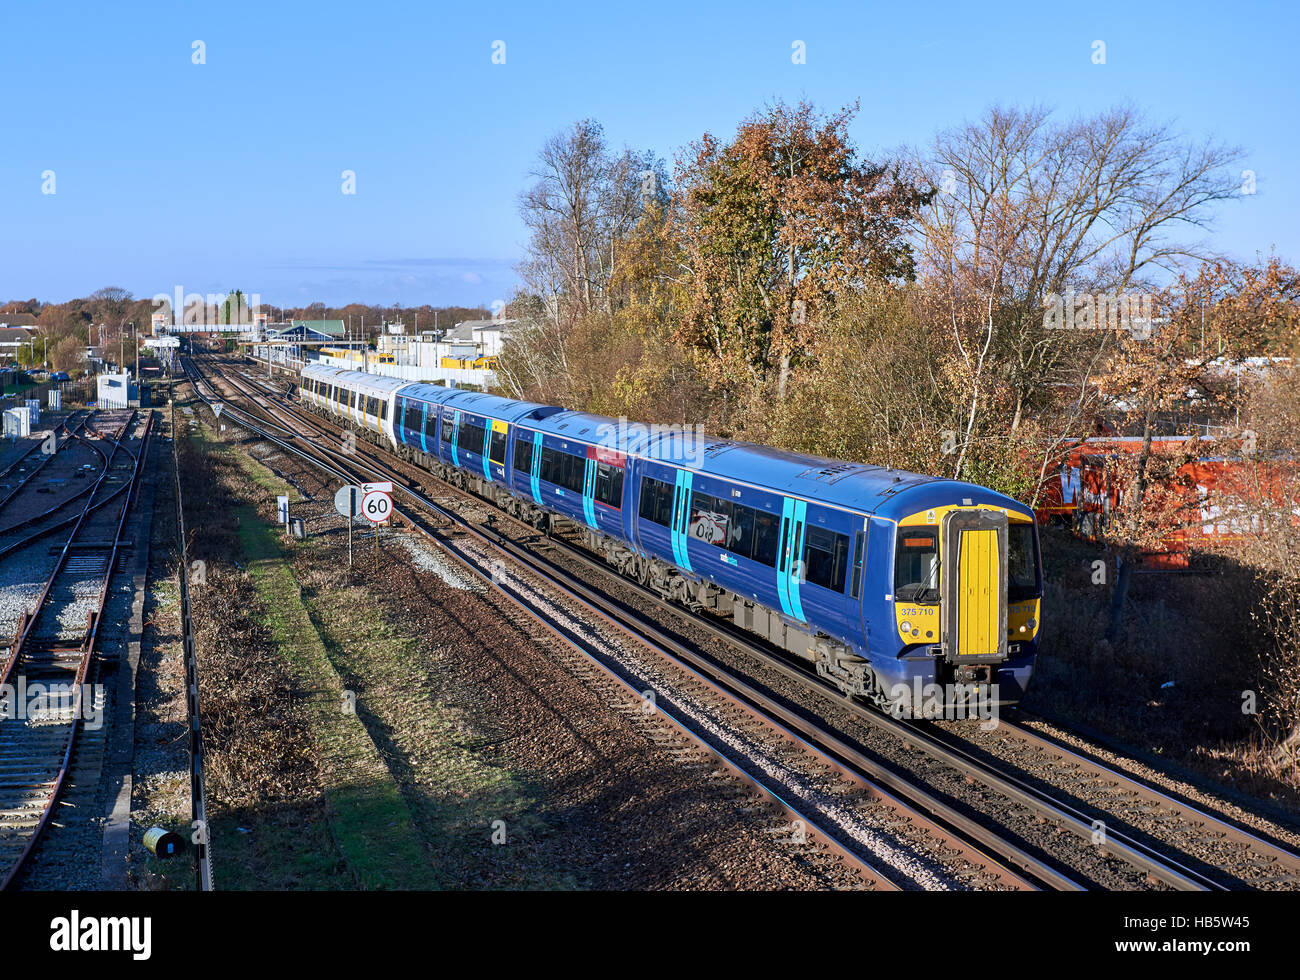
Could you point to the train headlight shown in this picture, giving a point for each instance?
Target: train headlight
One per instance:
(906, 627)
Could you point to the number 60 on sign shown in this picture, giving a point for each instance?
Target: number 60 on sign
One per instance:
(377, 506)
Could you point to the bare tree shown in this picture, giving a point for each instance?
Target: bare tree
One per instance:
(1028, 210)
(583, 204)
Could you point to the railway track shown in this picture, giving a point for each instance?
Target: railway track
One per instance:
(974, 856)
(38, 519)
(1172, 841)
(198, 796)
(56, 649)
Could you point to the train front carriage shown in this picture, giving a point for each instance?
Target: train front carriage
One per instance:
(961, 597)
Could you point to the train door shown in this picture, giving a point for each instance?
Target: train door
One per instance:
(535, 471)
(589, 489)
(974, 624)
(498, 444)
(789, 560)
(855, 587)
(681, 515)
(485, 450)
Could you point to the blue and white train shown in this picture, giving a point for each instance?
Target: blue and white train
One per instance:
(900, 588)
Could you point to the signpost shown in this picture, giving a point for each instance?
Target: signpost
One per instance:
(377, 507)
(348, 504)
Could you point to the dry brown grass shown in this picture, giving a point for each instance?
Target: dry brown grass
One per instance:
(1174, 683)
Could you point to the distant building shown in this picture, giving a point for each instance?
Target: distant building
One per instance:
(333, 329)
(11, 338)
(116, 391)
(18, 320)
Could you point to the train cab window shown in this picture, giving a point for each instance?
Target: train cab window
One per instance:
(656, 502)
(383, 409)
(497, 450)
(859, 545)
(524, 454)
(609, 485)
(1022, 563)
(825, 558)
(916, 565)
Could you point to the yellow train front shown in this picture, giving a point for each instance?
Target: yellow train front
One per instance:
(963, 605)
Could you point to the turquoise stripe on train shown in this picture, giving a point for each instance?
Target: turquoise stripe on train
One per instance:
(534, 471)
(782, 569)
(800, 512)
(681, 513)
(588, 492)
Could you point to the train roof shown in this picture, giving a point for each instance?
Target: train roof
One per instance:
(863, 487)
(371, 384)
(478, 402)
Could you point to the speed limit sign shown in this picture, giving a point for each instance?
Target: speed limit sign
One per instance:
(376, 506)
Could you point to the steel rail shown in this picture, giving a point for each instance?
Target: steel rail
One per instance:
(189, 645)
(87, 646)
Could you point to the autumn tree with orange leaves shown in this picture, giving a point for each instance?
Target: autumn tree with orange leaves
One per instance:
(775, 227)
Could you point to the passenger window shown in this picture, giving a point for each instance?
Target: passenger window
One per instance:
(710, 519)
(656, 501)
(649, 507)
(740, 535)
(498, 451)
(609, 485)
(765, 538)
(577, 472)
(825, 555)
(524, 455)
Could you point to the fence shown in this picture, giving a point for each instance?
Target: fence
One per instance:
(73, 393)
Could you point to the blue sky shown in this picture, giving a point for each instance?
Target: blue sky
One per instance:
(228, 174)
